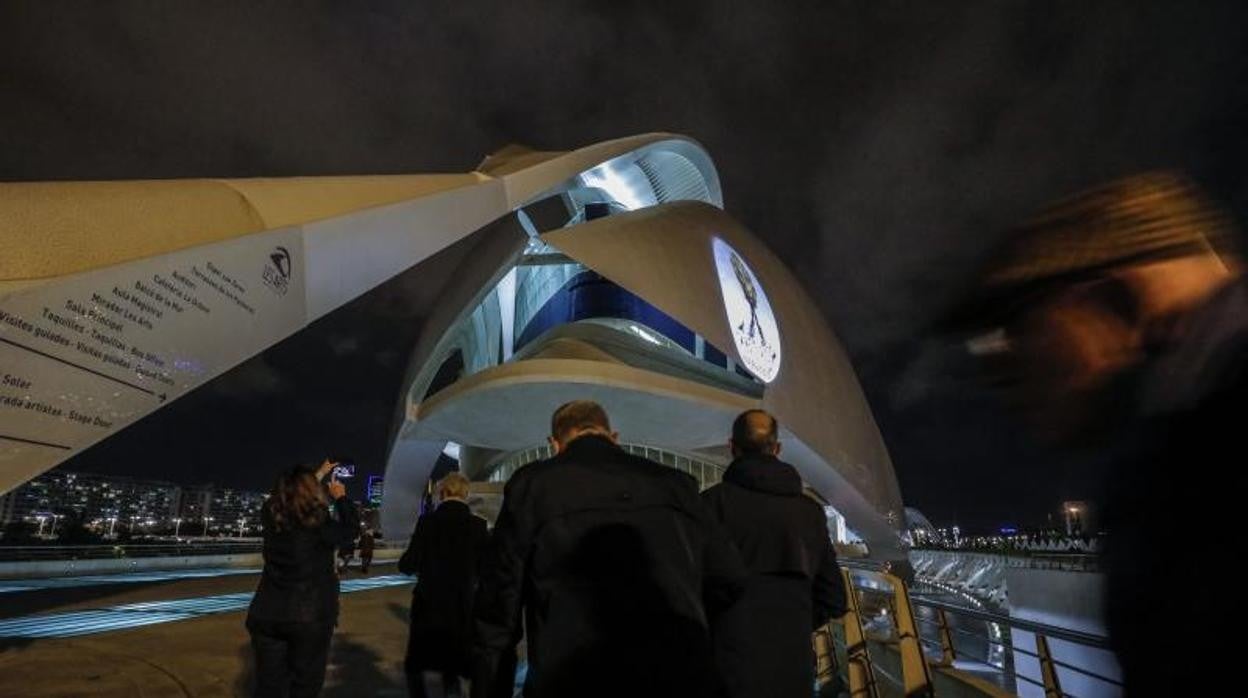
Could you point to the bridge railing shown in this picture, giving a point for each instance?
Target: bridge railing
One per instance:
(890, 643)
(1028, 559)
(31, 553)
(181, 548)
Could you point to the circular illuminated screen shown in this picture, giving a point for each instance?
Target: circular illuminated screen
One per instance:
(749, 313)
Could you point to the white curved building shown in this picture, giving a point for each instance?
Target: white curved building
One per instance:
(609, 272)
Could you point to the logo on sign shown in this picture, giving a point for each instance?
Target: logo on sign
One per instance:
(750, 318)
(277, 271)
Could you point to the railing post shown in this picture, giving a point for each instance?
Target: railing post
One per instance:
(825, 655)
(915, 676)
(858, 660)
(947, 652)
(1048, 670)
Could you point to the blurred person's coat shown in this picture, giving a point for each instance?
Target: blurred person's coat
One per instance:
(1173, 508)
(614, 563)
(444, 554)
(763, 643)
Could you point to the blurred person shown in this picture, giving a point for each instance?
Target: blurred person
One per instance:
(292, 615)
(368, 543)
(1118, 321)
(444, 554)
(763, 643)
(614, 564)
(346, 553)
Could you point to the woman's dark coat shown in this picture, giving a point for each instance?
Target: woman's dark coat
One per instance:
(299, 583)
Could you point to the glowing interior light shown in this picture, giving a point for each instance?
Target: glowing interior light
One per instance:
(451, 450)
(608, 178)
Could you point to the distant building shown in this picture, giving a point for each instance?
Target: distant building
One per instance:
(93, 498)
(920, 531)
(123, 503)
(196, 503)
(235, 509)
(376, 486)
(1080, 518)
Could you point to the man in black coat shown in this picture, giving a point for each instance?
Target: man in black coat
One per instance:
(763, 643)
(444, 553)
(615, 565)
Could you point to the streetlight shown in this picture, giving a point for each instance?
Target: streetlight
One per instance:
(55, 518)
(241, 521)
(177, 524)
(41, 519)
(207, 519)
(112, 524)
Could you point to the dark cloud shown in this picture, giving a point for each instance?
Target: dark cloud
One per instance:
(880, 148)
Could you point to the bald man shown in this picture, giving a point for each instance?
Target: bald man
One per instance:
(610, 565)
(762, 644)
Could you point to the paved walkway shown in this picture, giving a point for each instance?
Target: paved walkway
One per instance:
(206, 655)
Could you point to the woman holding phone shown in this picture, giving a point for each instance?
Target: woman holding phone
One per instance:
(292, 616)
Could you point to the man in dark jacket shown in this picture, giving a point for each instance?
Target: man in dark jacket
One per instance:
(763, 644)
(444, 553)
(615, 565)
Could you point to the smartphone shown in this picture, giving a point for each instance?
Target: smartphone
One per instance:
(342, 471)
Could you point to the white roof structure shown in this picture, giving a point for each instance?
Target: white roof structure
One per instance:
(610, 272)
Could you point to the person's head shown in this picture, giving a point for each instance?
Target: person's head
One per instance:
(576, 419)
(1086, 293)
(755, 433)
(297, 498)
(453, 487)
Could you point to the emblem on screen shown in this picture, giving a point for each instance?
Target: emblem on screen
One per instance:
(278, 270)
(749, 313)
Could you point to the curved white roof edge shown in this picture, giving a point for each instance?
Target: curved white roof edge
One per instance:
(532, 183)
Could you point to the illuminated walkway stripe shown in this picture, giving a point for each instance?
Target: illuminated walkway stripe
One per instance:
(135, 615)
(89, 580)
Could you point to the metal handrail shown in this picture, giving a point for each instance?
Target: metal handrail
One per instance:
(183, 548)
(1023, 650)
(944, 645)
(33, 553)
(1053, 631)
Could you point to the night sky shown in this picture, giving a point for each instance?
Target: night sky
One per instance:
(881, 148)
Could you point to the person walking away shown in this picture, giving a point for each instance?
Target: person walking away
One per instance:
(345, 554)
(614, 564)
(444, 554)
(368, 543)
(292, 615)
(763, 643)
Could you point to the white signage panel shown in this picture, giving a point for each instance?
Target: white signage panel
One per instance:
(83, 356)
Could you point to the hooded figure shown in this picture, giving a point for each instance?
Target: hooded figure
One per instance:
(763, 644)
